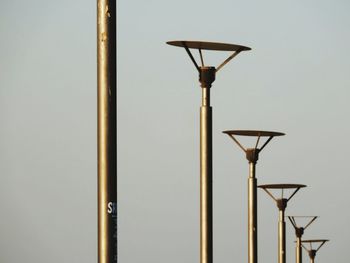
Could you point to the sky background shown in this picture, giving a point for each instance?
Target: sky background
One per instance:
(295, 80)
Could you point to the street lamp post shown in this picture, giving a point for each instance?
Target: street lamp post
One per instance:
(312, 251)
(207, 76)
(299, 232)
(252, 155)
(281, 204)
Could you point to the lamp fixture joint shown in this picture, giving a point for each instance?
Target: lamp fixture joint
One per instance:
(282, 203)
(252, 155)
(206, 76)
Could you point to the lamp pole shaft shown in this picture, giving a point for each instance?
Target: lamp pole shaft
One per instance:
(206, 171)
(298, 251)
(312, 260)
(107, 131)
(252, 215)
(281, 238)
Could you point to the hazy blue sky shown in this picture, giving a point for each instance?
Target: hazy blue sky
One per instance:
(295, 80)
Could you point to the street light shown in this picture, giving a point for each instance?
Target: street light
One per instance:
(206, 78)
(252, 155)
(312, 252)
(299, 231)
(281, 204)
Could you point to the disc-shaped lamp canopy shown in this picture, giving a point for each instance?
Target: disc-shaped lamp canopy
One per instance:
(208, 45)
(203, 45)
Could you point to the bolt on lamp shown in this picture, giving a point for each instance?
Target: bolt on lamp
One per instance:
(252, 155)
(281, 204)
(206, 78)
(312, 252)
(299, 232)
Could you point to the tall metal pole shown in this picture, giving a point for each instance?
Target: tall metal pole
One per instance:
(107, 131)
(298, 251)
(252, 156)
(207, 76)
(281, 203)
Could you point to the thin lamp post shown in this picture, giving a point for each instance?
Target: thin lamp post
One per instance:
(252, 155)
(312, 251)
(206, 78)
(282, 205)
(299, 232)
(107, 131)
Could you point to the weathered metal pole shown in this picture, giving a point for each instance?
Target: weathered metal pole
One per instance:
(282, 204)
(206, 78)
(298, 251)
(107, 131)
(252, 156)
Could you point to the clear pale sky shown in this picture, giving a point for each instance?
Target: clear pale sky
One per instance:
(295, 80)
